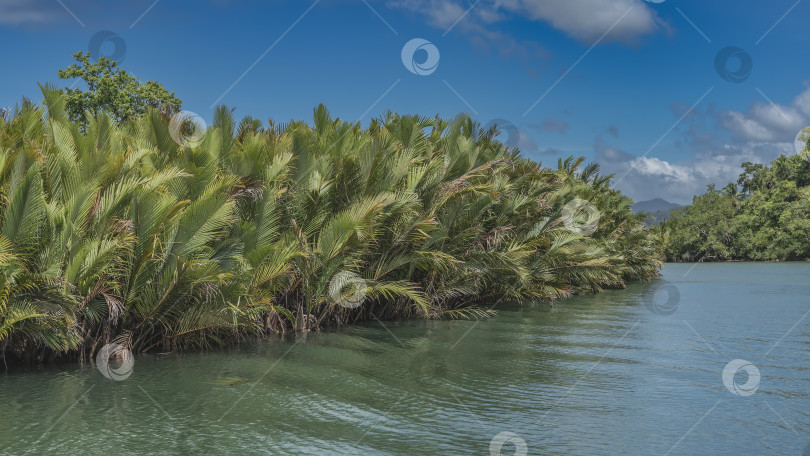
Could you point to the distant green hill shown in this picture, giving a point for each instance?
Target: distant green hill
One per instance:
(658, 209)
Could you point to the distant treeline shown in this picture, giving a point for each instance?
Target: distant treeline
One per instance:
(765, 215)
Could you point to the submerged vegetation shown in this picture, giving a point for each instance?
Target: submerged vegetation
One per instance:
(765, 216)
(155, 236)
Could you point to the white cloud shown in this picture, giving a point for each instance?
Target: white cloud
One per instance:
(770, 122)
(678, 182)
(758, 135)
(746, 126)
(477, 23)
(21, 12)
(585, 20)
(656, 167)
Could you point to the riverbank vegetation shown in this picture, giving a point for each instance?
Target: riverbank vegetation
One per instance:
(764, 216)
(158, 234)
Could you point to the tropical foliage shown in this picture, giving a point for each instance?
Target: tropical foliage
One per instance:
(111, 90)
(765, 215)
(136, 233)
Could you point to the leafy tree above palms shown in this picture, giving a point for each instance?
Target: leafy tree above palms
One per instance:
(112, 90)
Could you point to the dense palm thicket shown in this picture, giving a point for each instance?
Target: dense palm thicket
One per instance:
(115, 232)
(764, 216)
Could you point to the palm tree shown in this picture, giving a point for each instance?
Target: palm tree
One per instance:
(115, 232)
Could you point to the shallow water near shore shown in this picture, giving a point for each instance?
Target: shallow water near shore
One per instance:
(622, 372)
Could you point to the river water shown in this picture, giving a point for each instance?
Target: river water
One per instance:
(645, 371)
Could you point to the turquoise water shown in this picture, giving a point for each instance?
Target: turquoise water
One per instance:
(638, 371)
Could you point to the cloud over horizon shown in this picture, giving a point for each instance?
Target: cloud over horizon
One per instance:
(770, 122)
(644, 178)
(758, 135)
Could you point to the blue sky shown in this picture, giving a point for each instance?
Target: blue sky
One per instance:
(632, 84)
